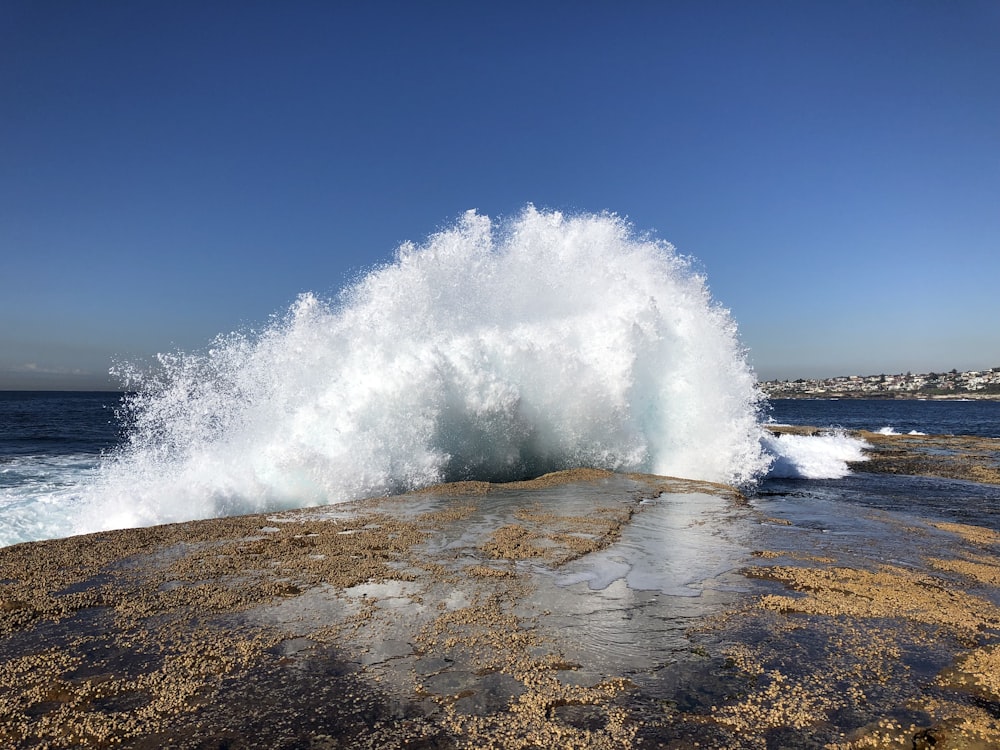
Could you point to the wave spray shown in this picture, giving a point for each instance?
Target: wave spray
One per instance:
(492, 351)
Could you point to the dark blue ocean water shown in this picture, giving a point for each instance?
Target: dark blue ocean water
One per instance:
(981, 418)
(51, 441)
(54, 423)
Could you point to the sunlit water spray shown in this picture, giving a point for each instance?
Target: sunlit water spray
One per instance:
(493, 351)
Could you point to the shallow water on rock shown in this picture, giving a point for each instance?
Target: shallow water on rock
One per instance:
(678, 545)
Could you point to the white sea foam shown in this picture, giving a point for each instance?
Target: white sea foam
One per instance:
(39, 494)
(823, 456)
(492, 351)
(890, 430)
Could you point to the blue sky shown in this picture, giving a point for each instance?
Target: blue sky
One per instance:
(174, 170)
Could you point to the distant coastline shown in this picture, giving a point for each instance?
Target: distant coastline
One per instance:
(971, 384)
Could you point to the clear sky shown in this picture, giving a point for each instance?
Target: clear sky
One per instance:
(174, 170)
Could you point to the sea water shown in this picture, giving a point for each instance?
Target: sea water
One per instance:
(979, 418)
(52, 446)
(492, 351)
(928, 497)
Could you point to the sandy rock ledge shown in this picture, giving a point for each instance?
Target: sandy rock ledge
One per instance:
(503, 616)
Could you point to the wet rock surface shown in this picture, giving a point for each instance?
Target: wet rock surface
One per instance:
(974, 459)
(583, 609)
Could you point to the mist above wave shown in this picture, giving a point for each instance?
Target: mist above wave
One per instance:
(494, 350)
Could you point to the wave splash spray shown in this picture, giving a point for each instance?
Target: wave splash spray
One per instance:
(823, 456)
(492, 351)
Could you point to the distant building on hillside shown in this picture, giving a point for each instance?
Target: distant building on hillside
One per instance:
(955, 384)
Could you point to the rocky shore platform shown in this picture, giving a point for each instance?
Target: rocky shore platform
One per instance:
(580, 610)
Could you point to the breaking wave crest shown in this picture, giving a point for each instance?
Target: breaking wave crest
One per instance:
(492, 351)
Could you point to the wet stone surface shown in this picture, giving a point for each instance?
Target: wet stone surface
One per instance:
(583, 609)
(971, 458)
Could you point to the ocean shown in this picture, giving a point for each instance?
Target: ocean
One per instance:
(935, 498)
(933, 417)
(494, 351)
(53, 445)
